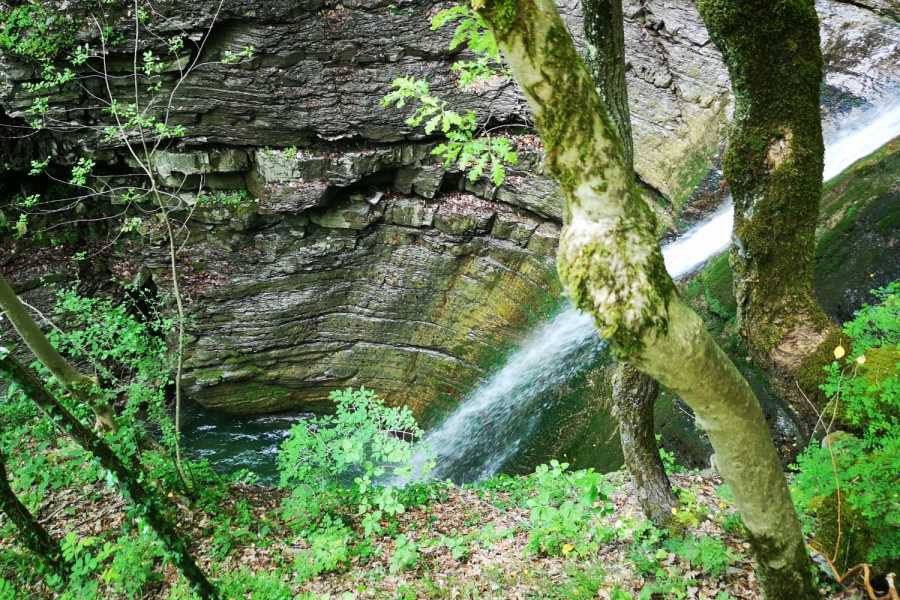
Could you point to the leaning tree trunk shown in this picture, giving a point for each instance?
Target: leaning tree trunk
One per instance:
(611, 264)
(773, 165)
(126, 476)
(68, 376)
(31, 533)
(633, 392)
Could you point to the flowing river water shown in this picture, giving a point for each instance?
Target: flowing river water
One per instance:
(500, 419)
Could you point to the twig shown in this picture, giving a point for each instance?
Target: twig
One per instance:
(866, 577)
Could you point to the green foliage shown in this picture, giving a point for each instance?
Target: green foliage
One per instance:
(473, 32)
(244, 583)
(864, 388)
(127, 350)
(230, 57)
(133, 566)
(579, 583)
(338, 461)
(691, 511)
(646, 553)
(463, 148)
(669, 460)
(130, 357)
(40, 33)
(130, 120)
(866, 476)
(329, 548)
(406, 554)
(232, 530)
(234, 200)
(469, 148)
(33, 31)
(877, 325)
(562, 511)
(81, 171)
(126, 566)
(704, 552)
(363, 442)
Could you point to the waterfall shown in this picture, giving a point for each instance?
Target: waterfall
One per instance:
(493, 423)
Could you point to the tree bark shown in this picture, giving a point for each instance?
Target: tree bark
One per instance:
(31, 533)
(68, 376)
(773, 164)
(633, 392)
(610, 262)
(604, 33)
(633, 395)
(148, 505)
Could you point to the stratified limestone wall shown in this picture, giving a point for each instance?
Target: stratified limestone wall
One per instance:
(396, 284)
(364, 261)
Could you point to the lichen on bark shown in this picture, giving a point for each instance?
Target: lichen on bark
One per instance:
(608, 257)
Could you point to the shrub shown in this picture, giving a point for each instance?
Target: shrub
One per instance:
(354, 456)
(562, 510)
(859, 471)
(706, 553)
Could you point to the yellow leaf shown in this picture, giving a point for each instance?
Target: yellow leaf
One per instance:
(567, 548)
(839, 352)
(861, 359)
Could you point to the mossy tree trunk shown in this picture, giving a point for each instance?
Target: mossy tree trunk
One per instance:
(610, 262)
(633, 392)
(31, 533)
(773, 165)
(126, 475)
(68, 376)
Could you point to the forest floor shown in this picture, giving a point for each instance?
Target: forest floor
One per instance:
(469, 542)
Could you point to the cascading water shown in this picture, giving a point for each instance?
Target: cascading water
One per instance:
(498, 423)
(492, 424)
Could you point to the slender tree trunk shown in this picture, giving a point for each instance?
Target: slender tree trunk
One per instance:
(150, 507)
(633, 392)
(68, 376)
(773, 165)
(604, 33)
(31, 533)
(611, 264)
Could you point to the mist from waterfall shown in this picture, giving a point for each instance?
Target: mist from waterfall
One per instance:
(495, 421)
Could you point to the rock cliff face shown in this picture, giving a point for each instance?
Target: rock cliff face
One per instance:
(365, 262)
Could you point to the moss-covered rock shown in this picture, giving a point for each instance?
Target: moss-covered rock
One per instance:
(859, 236)
(845, 540)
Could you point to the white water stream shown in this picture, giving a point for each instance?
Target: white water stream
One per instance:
(491, 425)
